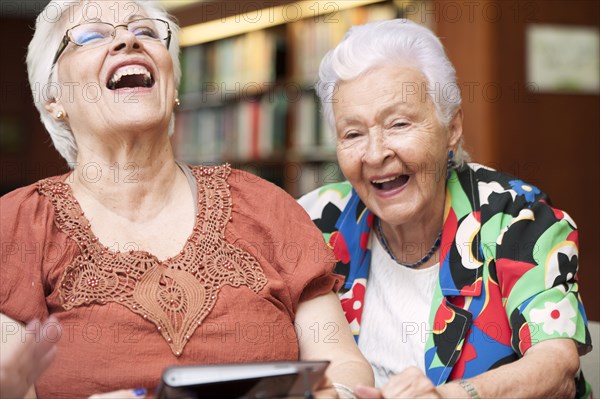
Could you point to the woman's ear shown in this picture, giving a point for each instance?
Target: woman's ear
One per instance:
(55, 109)
(455, 129)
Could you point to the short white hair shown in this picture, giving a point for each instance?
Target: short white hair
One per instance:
(393, 42)
(43, 77)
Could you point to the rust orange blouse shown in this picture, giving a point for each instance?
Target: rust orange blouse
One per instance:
(229, 296)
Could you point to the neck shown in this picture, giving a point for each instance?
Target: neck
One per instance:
(134, 182)
(415, 243)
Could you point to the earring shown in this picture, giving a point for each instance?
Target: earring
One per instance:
(450, 162)
(60, 115)
(177, 102)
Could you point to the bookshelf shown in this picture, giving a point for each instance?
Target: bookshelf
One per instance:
(248, 98)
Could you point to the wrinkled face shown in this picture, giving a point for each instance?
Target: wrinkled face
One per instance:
(125, 83)
(390, 144)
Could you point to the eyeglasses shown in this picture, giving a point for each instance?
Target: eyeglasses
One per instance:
(91, 34)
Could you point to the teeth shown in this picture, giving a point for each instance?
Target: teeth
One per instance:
(130, 70)
(384, 180)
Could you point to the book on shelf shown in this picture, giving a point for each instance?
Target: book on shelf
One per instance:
(232, 68)
(243, 131)
(312, 38)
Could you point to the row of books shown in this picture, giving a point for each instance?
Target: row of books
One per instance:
(257, 128)
(228, 65)
(312, 38)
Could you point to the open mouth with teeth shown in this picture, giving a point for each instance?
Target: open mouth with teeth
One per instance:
(391, 183)
(131, 76)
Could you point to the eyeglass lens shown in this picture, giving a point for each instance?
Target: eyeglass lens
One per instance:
(98, 32)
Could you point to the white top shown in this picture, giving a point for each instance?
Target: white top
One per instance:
(395, 319)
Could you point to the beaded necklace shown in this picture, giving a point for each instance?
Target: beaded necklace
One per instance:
(424, 259)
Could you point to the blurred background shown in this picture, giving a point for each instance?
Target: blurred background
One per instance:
(528, 71)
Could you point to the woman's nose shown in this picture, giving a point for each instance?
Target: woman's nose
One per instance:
(376, 150)
(125, 41)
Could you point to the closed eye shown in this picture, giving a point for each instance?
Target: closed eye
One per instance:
(351, 135)
(399, 125)
(90, 37)
(146, 32)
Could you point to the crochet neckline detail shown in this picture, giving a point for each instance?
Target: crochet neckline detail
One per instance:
(176, 294)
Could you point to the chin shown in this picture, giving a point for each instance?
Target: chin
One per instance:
(143, 120)
(397, 214)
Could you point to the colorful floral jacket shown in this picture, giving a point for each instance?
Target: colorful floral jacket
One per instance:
(508, 271)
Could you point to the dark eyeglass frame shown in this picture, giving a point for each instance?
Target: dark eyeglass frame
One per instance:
(66, 39)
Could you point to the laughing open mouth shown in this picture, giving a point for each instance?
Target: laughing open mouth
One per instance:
(391, 183)
(131, 76)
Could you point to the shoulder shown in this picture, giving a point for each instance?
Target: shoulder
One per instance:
(254, 190)
(266, 216)
(19, 195)
(22, 202)
(517, 216)
(262, 203)
(25, 211)
(32, 252)
(503, 193)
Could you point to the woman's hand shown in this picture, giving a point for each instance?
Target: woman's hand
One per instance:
(26, 359)
(410, 383)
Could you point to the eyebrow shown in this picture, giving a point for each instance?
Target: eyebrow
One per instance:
(347, 121)
(135, 16)
(390, 109)
(381, 114)
(86, 20)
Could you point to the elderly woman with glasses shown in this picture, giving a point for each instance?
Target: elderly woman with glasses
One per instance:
(461, 280)
(134, 261)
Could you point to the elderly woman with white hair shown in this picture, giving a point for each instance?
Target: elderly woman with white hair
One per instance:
(133, 261)
(461, 280)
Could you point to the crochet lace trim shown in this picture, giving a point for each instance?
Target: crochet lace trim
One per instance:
(175, 294)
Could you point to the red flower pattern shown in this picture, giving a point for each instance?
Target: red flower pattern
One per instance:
(352, 302)
(340, 249)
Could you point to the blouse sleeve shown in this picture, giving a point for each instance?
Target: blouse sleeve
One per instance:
(537, 262)
(25, 219)
(271, 225)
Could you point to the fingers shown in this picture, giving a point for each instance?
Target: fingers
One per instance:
(39, 349)
(44, 362)
(410, 383)
(365, 392)
(21, 350)
(27, 357)
(48, 333)
(16, 364)
(122, 394)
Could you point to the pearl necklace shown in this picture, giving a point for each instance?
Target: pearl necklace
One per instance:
(424, 259)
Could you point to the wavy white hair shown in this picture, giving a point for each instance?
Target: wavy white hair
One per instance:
(398, 42)
(49, 31)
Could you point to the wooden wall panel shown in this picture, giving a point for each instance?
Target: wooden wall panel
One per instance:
(33, 157)
(550, 140)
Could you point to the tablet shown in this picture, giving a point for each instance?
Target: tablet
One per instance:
(242, 380)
